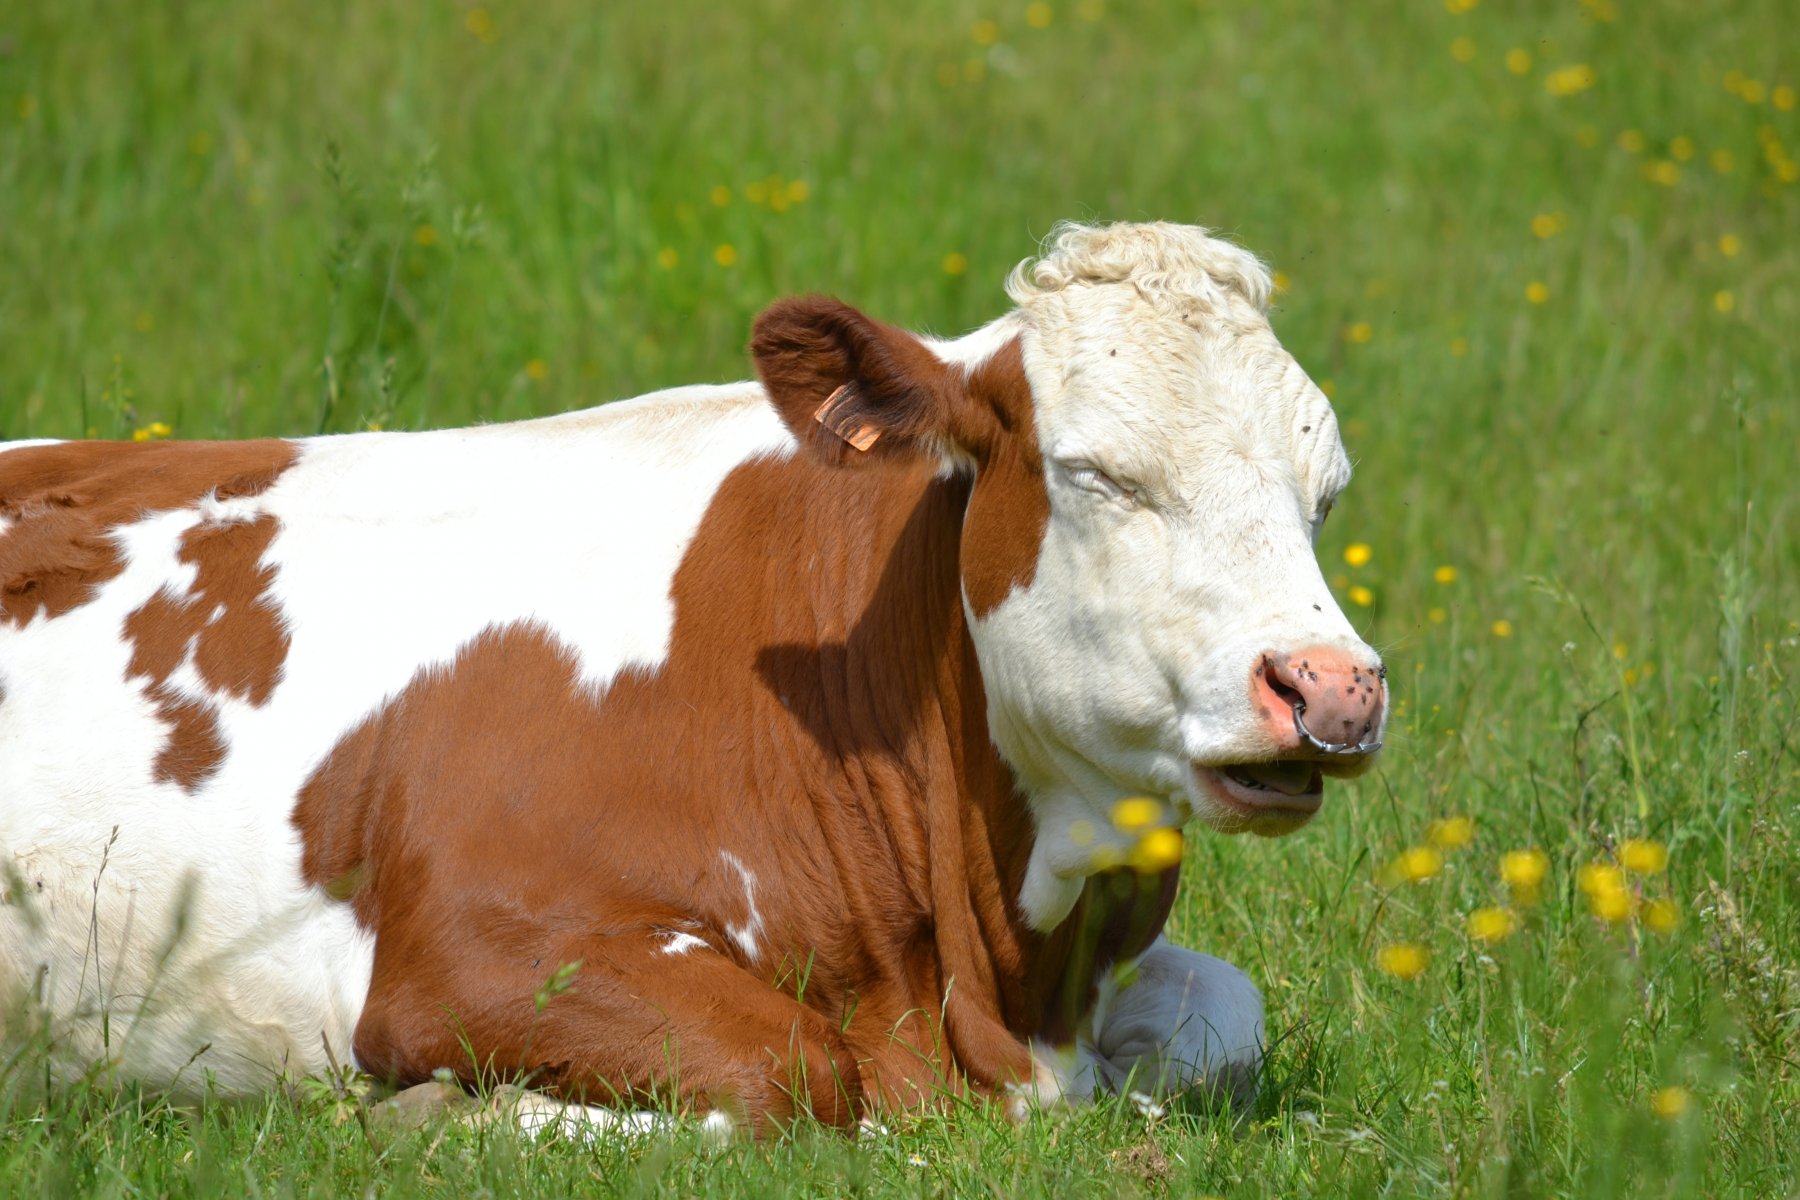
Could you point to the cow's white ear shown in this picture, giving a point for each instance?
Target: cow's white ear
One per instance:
(853, 388)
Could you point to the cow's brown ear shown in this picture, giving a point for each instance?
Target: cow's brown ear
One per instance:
(854, 389)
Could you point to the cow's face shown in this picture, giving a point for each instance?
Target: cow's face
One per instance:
(1151, 469)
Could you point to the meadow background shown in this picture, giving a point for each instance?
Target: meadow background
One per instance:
(1543, 256)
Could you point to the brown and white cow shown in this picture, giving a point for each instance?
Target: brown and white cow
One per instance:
(797, 715)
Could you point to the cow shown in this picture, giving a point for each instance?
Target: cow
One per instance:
(812, 747)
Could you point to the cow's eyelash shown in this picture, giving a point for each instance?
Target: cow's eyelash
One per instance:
(1093, 479)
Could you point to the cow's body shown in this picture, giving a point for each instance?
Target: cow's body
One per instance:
(348, 747)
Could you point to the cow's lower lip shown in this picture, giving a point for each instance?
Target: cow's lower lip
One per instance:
(1237, 790)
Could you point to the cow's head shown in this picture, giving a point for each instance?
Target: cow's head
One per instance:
(1151, 469)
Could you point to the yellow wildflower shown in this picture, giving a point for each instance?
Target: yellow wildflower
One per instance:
(725, 254)
(1090, 10)
(985, 32)
(1595, 877)
(1669, 1102)
(1661, 916)
(1358, 554)
(1548, 224)
(1038, 15)
(955, 263)
(1518, 60)
(1450, 833)
(1681, 148)
(1416, 864)
(1462, 49)
(720, 195)
(1403, 960)
(1753, 91)
(1723, 161)
(1566, 81)
(1662, 171)
(1524, 870)
(1724, 301)
(1459, 346)
(1537, 291)
(1631, 141)
(756, 191)
(425, 235)
(1445, 574)
(1784, 97)
(667, 258)
(1643, 857)
(537, 370)
(1280, 280)
(1501, 628)
(1612, 906)
(798, 191)
(1360, 332)
(1361, 596)
(1730, 244)
(1436, 616)
(1136, 812)
(1156, 851)
(1492, 924)
(479, 23)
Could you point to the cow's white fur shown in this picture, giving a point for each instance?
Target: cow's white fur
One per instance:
(1120, 665)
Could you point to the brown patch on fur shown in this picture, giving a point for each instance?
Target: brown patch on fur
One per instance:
(229, 626)
(1003, 533)
(66, 499)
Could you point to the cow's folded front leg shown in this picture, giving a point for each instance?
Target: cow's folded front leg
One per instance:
(658, 1016)
(1183, 1020)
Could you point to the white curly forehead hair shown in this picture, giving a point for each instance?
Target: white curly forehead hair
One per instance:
(1167, 264)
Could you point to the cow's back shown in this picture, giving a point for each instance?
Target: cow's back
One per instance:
(187, 629)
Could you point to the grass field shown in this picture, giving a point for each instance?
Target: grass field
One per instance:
(1546, 258)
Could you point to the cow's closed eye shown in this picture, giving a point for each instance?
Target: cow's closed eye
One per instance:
(1092, 479)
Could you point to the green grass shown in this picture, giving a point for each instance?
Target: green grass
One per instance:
(216, 216)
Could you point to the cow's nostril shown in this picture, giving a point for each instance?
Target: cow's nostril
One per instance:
(1288, 695)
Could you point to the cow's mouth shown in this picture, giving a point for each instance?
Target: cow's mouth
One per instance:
(1274, 788)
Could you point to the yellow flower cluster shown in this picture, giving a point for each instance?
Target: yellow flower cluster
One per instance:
(1155, 847)
(1611, 896)
(154, 431)
(1416, 864)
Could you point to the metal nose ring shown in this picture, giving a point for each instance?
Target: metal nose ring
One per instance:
(1324, 747)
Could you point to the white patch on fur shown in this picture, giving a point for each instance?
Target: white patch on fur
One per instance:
(681, 943)
(745, 934)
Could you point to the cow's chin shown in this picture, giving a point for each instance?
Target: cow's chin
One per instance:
(1267, 799)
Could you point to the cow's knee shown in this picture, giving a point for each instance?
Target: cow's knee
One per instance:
(1187, 1020)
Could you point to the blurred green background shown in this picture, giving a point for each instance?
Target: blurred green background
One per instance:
(1543, 256)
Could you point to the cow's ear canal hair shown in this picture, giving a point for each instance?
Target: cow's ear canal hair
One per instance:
(852, 388)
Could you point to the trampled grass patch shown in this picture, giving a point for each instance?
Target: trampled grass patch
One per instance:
(1543, 257)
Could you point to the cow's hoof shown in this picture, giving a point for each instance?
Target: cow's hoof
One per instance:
(420, 1107)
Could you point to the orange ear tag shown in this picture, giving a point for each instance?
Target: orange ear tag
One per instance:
(859, 434)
